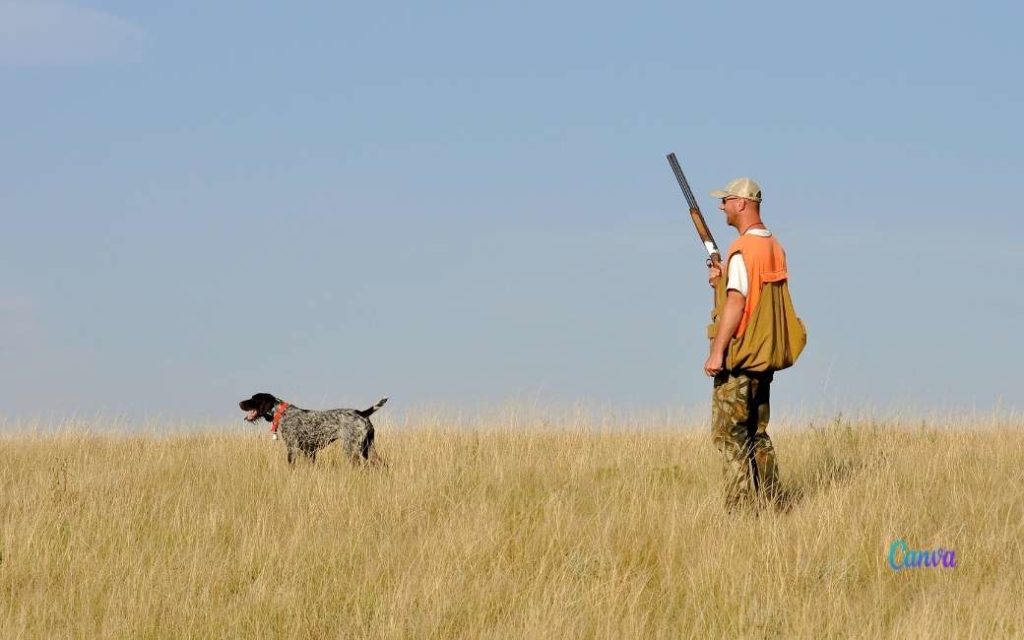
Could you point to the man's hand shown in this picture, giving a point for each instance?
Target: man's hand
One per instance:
(714, 273)
(714, 364)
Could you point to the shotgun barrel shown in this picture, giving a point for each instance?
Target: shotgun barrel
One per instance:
(714, 255)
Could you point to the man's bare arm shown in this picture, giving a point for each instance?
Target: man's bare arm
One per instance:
(732, 313)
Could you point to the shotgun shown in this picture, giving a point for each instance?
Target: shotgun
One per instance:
(714, 256)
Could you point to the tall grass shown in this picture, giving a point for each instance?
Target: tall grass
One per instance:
(541, 531)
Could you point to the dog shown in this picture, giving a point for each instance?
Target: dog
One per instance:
(308, 431)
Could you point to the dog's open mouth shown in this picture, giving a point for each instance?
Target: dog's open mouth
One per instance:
(251, 415)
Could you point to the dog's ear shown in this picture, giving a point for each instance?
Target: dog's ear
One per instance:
(267, 402)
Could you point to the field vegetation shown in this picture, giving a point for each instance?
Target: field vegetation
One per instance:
(509, 528)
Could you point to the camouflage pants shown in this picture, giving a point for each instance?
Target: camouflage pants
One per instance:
(739, 423)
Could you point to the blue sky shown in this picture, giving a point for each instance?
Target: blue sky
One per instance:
(460, 205)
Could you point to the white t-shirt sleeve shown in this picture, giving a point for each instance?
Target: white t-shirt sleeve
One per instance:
(738, 275)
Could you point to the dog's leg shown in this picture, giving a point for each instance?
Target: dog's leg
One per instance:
(375, 459)
(366, 450)
(368, 453)
(292, 451)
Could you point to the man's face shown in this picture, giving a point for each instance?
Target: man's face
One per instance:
(731, 206)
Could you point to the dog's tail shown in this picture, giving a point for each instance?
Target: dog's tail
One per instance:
(366, 413)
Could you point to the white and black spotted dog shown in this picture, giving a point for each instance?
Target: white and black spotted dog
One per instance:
(308, 432)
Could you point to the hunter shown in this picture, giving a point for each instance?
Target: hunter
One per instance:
(739, 410)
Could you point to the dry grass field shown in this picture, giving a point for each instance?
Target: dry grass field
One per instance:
(509, 529)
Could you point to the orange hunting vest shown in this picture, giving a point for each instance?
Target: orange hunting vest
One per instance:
(765, 261)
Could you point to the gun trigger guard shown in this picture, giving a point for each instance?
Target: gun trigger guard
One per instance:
(708, 262)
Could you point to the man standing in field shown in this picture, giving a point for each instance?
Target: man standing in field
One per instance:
(739, 410)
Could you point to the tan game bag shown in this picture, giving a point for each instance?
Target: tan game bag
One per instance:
(774, 337)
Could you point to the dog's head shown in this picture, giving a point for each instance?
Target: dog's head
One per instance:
(259, 406)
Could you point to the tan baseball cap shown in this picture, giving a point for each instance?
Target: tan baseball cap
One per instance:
(740, 188)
